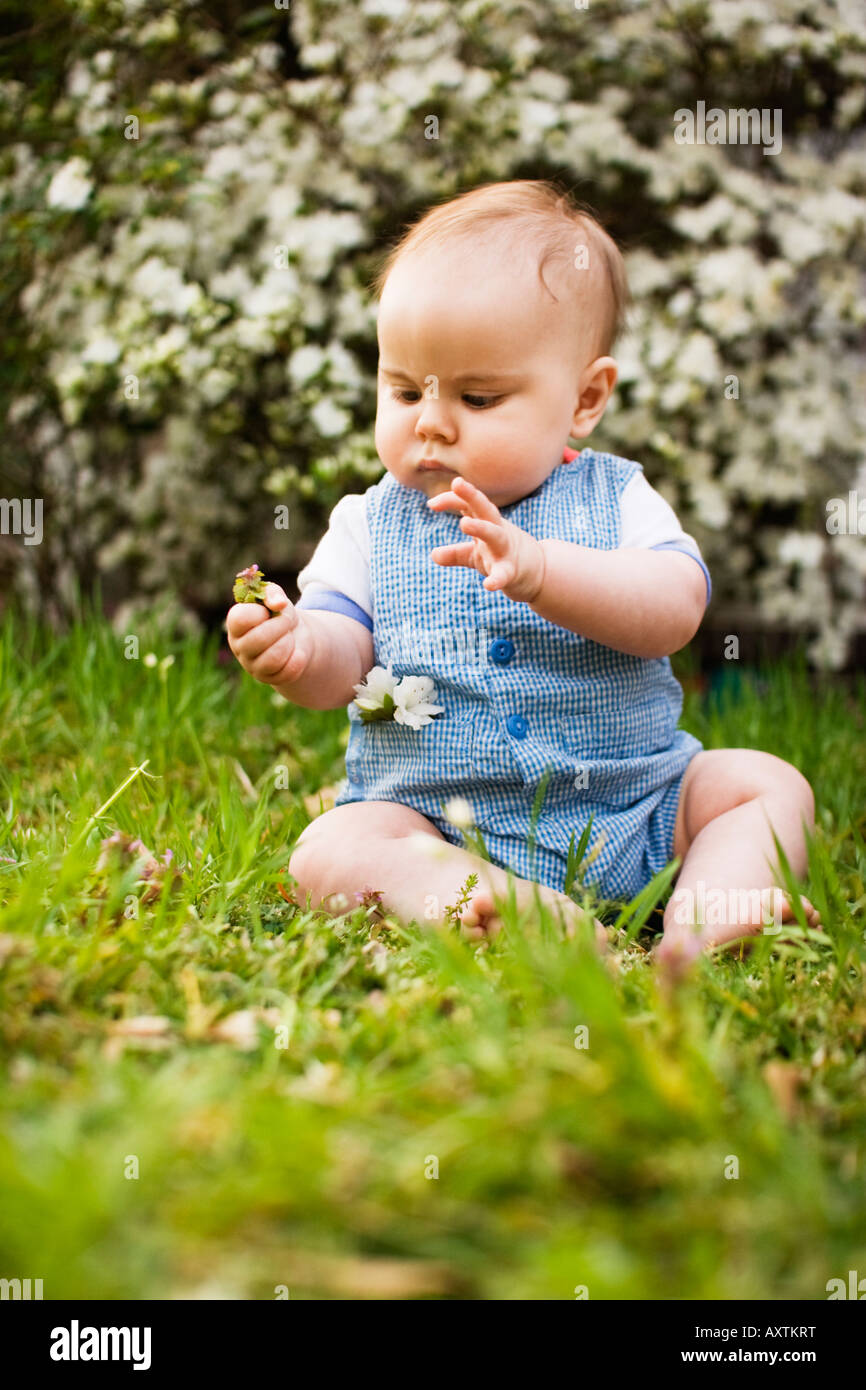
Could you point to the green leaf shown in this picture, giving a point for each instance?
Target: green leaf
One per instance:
(575, 858)
(535, 813)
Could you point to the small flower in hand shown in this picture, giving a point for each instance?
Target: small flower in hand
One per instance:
(249, 586)
(512, 560)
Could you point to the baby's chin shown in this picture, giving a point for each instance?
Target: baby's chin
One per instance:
(432, 484)
(429, 481)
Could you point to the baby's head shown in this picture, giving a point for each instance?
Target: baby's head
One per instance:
(497, 312)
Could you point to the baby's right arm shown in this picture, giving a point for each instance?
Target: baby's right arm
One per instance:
(312, 657)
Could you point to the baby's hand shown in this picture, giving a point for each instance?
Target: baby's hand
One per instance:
(512, 560)
(276, 650)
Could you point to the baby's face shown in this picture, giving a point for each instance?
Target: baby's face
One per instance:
(479, 371)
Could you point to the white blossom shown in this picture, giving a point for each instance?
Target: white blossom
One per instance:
(409, 696)
(710, 502)
(268, 56)
(233, 283)
(797, 239)
(801, 548)
(102, 349)
(164, 287)
(79, 80)
(319, 55)
(412, 703)
(161, 30)
(536, 118)
(371, 691)
(459, 812)
(216, 384)
(549, 86)
(224, 161)
(223, 103)
(388, 9)
(173, 340)
(275, 294)
(329, 419)
(70, 187)
(305, 362)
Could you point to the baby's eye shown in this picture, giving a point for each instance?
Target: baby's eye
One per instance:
(409, 397)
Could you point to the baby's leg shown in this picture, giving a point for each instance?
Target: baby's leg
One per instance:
(730, 799)
(389, 847)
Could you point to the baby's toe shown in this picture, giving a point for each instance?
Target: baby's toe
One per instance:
(813, 916)
(577, 919)
(675, 954)
(782, 909)
(601, 940)
(479, 917)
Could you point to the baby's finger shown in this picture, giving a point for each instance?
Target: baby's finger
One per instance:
(501, 574)
(265, 634)
(453, 554)
(478, 502)
(493, 532)
(242, 618)
(275, 657)
(276, 597)
(446, 502)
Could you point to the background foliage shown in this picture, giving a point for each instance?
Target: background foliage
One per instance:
(154, 258)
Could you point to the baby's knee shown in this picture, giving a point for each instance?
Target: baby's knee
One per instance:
(807, 794)
(315, 847)
(755, 773)
(317, 843)
(304, 858)
(342, 837)
(789, 783)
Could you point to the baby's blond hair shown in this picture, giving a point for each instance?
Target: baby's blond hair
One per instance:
(546, 216)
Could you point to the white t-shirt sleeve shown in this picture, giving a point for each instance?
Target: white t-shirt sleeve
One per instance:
(650, 523)
(337, 576)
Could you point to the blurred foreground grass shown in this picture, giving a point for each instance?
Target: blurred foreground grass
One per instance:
(209, 1093)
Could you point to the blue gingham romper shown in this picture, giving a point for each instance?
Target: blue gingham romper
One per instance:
(520, 695)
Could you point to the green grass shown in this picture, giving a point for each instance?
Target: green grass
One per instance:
(368, 1053)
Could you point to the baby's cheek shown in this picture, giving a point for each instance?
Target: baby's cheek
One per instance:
(384, 417)
(380, 435)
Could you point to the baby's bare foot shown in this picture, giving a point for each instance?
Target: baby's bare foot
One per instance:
(680, 946)
(480, 917)
(776, 908)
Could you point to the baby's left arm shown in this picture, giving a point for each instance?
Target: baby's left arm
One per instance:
(645, 602)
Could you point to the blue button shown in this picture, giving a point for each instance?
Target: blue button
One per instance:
(516, 725)
(502, 650)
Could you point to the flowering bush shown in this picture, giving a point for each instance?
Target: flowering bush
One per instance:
(188, 249)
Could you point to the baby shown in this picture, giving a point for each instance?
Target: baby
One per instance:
(542, 589)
